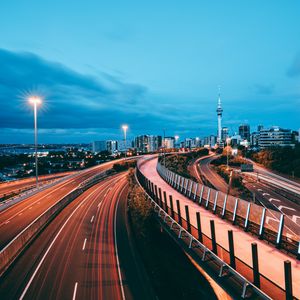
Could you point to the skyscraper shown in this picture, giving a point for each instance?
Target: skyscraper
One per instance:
(219, 113)
(244, 132)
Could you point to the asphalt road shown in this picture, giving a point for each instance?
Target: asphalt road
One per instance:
(15, 218)
(17, 186)
(263, 192)
(77, 255)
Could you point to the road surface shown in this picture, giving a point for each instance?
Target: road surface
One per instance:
(15, 218)
(78, 255)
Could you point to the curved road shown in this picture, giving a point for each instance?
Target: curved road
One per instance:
(77, 255)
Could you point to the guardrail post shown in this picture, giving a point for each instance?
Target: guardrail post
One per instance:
(182, 183)
(186, 187)
(178, 182)
(179, 212)
(196, 190)
(166, 204)
(247, 217)
(224, 206)
(280, 229)
(262, 222)
(156, 193)
(199, 227)
(215, 203)
(207, 200)
(231, 249)
(213, 237)
(288, 280)
(201, 194)
(191, 187)
(235, 210)
(160, 198)
(171, 206)
(187, 215)
(298, 253)
(256, 279)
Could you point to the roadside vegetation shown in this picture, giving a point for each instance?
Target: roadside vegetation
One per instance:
(171, 273)
(282, 159)
(179, 163)
(123, 166)
(237, 187)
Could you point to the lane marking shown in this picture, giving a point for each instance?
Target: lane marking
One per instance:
(273, 199)
(266, 194)
(116, 243)
(7, 222)
(92, 219)
(84, 243)
(20, 214)
(285, 207)
(75, 291)
(260, 190)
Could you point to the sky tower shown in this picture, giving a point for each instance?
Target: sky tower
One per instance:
(219, 113)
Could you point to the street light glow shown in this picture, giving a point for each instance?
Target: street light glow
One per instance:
(35, 100)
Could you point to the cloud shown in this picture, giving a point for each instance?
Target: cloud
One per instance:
(294, 69)
(72, 100)
(264, 89)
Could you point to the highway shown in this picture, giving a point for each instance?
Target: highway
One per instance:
(77, 255)
(15, 218)
(17, 186)
(264, 193)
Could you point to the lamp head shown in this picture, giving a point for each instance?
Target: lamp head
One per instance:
(35, 100)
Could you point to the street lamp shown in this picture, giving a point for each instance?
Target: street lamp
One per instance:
(125, 127)
(35, 101)
(228, 140)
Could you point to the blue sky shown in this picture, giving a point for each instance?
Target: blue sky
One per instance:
(151, 65)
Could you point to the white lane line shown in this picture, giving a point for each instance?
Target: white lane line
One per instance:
(117, 255)
(92, 219)
(285, 207)
(260, 190)
(273, 199)
(20, 214)
(7, 222)
(100, 204)
(49, 248)
(84, 243)
(266, 194)
(75, 291)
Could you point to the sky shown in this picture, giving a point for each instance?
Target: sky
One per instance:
(153, 65)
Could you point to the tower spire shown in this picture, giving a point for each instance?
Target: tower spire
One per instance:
(219, 114)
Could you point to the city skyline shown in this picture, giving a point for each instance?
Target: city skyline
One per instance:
(126, 68)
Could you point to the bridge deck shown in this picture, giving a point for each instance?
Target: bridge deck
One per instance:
(271, 260)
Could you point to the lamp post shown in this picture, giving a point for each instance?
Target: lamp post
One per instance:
(125, 127)
(35, 101)
(227, 141)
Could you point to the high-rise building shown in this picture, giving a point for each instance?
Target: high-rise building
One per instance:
(219, 113)
(99, 146)
(111, 146)
(224, 134)
(275, 137)
(147, 143)
(169, 142)
(244, 131)
(260, 127)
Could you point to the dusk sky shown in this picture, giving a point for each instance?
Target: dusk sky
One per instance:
(151, 65)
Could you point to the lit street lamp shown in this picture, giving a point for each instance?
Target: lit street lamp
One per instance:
(125, 127)
(35, 101)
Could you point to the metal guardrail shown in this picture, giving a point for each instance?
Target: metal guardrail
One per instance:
(265, 223)
(224, 269)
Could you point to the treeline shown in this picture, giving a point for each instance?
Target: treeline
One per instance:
(178, 163)
(285, 160)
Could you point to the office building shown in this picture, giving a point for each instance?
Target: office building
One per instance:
(99, 146)
(169, 142)
(244, 132)
(275, 137)
(224, 134)
(219, 114)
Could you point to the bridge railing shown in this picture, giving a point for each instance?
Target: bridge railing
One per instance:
(267, 224)
(238, 274)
